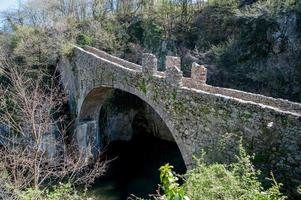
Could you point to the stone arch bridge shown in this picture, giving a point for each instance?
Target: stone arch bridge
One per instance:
(187, 110)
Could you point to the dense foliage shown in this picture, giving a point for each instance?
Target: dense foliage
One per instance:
(235, 181)
(58, 192)
(172, 189)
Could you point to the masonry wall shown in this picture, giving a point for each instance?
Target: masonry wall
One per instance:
(201, 119)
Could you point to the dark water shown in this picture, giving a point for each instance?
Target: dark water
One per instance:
(135, 168)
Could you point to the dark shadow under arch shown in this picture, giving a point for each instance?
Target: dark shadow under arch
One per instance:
(134, 133)
(89, 109)
(123, 115)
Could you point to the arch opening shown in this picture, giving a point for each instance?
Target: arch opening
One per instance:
(137, 140)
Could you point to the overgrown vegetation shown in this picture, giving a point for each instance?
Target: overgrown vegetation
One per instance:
(35, 151)
(261, 53)
(58, 192)
(172, 189)
(235, 181)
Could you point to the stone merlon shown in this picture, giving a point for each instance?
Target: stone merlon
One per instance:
(174, 75)
(199, 73)
(149, 64)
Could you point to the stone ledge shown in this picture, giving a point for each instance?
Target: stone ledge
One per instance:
(198, 83)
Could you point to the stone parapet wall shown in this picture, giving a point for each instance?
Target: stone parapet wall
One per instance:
(280, 104)
(198, 81)
(130, 65)
(114, 59)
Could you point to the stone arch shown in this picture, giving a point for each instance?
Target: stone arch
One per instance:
(90, 105)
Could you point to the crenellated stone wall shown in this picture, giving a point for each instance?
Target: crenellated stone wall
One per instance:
(197, 115)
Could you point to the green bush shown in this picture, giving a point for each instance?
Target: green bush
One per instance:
(83, 39)
(236, 181)
(278, 6)
(170, 185)
(33, 46)
(229, 182)
(67, 50)
(58, 192)
(153, 34)
(230, 3)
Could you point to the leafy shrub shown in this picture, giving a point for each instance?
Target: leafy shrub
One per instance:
(67, 50)
(32, 194)
(171, 187)
(236, 181)
(231, 3)
(153, 34)
(33, 46)
(83, 39)
(58, 192)
(229, 182)
(278, 6)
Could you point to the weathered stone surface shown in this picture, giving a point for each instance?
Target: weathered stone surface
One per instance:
(81, 136)
(199, 116)
(119, 126)
(198, 73)
(174, 75)
(149, 64)
(87, 140)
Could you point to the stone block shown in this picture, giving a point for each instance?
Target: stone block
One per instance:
(149, 64)
(199, 73)
(174, 75)
(86, 138)
(81, 136)
(172, 61)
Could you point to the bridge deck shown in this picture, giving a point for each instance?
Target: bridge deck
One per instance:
(189, 83)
